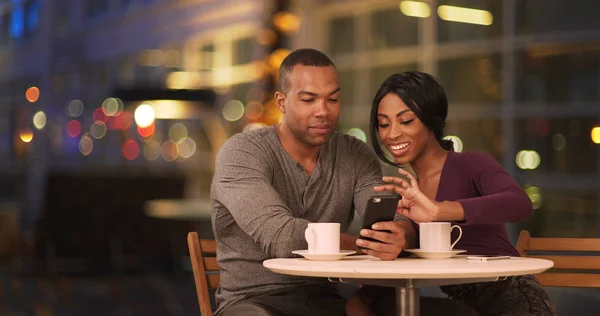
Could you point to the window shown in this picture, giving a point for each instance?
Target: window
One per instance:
(478, 135)
(472, 79)
(341, 35)
(206, 56)
(450, 31)
(556, 16)
(243, 51)
(17, 21)
(564, 144)
(380, 74)
(391, 28)
(558, 73)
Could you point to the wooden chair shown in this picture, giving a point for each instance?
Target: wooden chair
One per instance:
(206, 270)
(569, 264)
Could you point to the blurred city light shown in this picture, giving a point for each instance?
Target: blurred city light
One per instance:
(186, 147)
(152, 150)
(112, 106)
(254, 110)
(98, 129)
(39, 120)
(86, 145)
(286, 22)
(177, 132)
(146, 131)
(465, 15)
(233, 110)
(252, 126)
(131, 149)
(596, 135)
(99, 115)
(528, 159)
(358, 133)
(559, 142)
(32, 94)
(274, 59)
(73, 128)
(169, 151)
(535, 196)
(75, 108)
(458, 143)
(144, 115)
(26, 135)
(415, 9)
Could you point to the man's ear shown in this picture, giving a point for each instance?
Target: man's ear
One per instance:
(280, 101)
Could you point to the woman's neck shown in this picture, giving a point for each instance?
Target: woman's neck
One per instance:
(430, 162)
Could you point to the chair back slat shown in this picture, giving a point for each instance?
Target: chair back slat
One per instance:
(204, 266)
(565, 259)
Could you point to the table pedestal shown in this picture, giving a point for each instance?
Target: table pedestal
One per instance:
(408, 299)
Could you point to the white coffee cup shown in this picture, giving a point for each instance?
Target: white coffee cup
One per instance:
(436, 236)
(323, 238)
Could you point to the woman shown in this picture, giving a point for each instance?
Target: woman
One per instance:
(471, 189)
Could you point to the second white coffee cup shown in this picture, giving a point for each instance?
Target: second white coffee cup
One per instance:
(323, 238)
(435, 237)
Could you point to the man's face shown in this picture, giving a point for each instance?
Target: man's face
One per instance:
(311, 105)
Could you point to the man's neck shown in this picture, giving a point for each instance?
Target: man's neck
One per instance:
(303, 153)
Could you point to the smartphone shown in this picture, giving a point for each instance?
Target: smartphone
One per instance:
(486, 258)
(379, 209)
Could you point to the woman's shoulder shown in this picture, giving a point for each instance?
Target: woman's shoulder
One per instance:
(473, 160)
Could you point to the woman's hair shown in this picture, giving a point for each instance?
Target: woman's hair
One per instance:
(423, 94)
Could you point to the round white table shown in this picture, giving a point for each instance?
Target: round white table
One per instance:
(407, 275)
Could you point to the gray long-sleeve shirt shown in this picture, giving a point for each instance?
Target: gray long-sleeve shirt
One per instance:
(262, 201)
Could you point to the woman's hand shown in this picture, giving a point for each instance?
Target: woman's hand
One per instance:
(414, 203)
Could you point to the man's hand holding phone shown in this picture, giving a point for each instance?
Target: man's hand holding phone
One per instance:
(381, 236)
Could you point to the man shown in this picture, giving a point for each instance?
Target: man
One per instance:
(270, 183)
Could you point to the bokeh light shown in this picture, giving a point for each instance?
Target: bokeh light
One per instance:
(73, 128)
(131, 149)
(39, 120)
(233, 110)
(177, 132)
(151, 150)
(169, 151)
(358, 133)
(252, 126)
(458, 144)
(26, 135)
(146, 131)
(99, 115)
(596, 135)
(144, 115)
(32, 94)
(528, 159)
(535, 196)
(86, 145)
(98, 129)
(186, 147)
(286, 22)
(559, 142)
(75, 108)
(112, 106)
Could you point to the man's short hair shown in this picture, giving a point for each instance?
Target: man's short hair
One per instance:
(304, 57)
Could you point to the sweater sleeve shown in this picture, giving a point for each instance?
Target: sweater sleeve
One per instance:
(501, 199)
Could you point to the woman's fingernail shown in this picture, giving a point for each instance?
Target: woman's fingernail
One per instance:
(375, 226)
(359, 242)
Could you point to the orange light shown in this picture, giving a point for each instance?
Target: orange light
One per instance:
(32, 94)
(26, 136)
(146, 131)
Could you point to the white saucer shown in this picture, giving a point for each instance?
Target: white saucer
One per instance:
(323, 256)
(435, 254)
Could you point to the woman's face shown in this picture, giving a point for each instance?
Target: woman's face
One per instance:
(400, 130)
